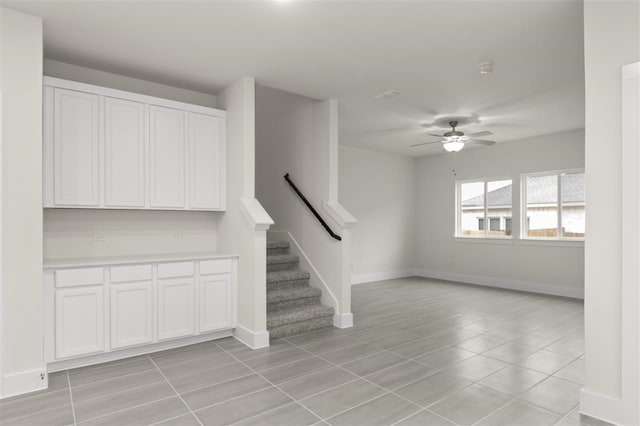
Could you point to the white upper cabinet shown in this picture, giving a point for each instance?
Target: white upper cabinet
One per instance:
(167, 159)
(124, 152)
(76, 146)
(106, 148)
(206, 147)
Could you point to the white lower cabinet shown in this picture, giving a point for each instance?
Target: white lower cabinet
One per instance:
(215, 302)
(116, 309)
(175, 308)
(131, 314)
(79, 317)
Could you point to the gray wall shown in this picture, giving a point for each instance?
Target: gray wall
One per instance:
(406, 212)
(538, 266)
(379, 189)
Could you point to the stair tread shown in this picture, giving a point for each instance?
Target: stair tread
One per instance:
(297, 314)
(300, 327)
(277, 244)
(274, 296)
(288, 275)
(281, 258)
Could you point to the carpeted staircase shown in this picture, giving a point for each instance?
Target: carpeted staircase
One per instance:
(292, 305)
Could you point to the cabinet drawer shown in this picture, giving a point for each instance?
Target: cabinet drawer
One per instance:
(121, 274)
(75, 277)
(177, 269)
(218, 266)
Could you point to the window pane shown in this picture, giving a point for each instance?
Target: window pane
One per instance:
(542, 206)
(573, 212)
(472, 209)
(498, 207)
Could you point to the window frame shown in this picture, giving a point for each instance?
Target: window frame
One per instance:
(524, 218)
(458, 210)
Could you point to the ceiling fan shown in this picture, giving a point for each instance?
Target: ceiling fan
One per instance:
(455, 140)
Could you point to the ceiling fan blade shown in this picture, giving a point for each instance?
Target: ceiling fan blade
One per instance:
(433, 134)
(480, 142)
(482, 133)
(424, 143)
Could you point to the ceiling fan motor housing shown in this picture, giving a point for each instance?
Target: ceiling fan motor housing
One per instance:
(453, 132)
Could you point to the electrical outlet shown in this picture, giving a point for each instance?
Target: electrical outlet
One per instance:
(97, 236)
(176, 236)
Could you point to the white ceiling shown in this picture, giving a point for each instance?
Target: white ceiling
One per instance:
(351, 51)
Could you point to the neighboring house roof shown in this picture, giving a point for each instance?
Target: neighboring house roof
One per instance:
(540, 190)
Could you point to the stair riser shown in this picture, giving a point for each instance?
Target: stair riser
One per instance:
(277, 251)
(274, 267)
(300, 327)
(286, 304)
(285, 285)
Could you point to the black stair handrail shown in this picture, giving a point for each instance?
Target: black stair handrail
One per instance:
(315, 213)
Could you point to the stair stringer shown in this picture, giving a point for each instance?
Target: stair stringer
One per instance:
(315, 279)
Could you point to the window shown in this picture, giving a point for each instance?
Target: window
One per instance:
(484, 208)
(554, 205)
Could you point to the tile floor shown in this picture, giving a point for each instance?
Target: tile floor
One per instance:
(422, 352)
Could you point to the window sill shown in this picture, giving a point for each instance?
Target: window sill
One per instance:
(484, 240)
(550, 242)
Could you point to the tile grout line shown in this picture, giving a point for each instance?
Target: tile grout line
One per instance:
(516, 398)
(22, 416)
(568, 413)
(274, 385)
(242, 376)
(387, 391)
(473, 382)
(122, 410)
(429, 411)
(174, 389)
(73, 408)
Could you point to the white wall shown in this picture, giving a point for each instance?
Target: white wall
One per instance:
(612, 39)
(115, 81)
(298, 135)
(242, 229)
(284, 135)
(380, 190)
(22, 310)
(74, 232)
(547, 268)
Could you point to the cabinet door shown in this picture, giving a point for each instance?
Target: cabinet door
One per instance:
(124, 150)
(175, 308)
(76, 146)
(167, 161)
(215, 302)
(131, 314)
(79, 321)
(206, 161)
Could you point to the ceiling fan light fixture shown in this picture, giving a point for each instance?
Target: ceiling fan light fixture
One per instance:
(452, 145)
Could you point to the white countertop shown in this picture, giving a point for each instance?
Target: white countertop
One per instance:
(130, 259)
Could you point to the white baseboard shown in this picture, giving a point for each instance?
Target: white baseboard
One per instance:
(380, 276)
(24, 382)
(255, 340)
(601, 407)
(135, 351)
(343, 320)
(533, 287)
